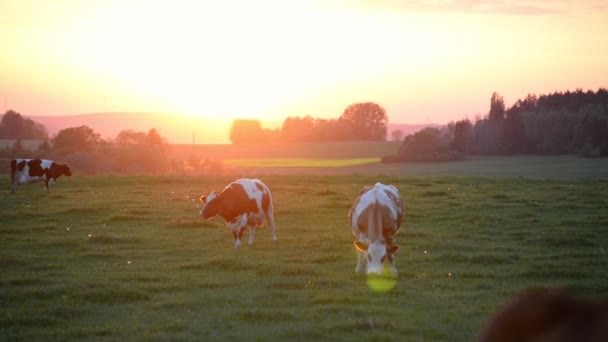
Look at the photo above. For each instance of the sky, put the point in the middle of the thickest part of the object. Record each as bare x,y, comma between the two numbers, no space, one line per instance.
422,60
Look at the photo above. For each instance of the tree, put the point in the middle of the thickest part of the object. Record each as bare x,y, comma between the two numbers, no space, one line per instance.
425,145
76,139
397,135
513,134
497,107
11,126
15,126
462,133
131,137
369,120
421,143
154,139
245,131
298,129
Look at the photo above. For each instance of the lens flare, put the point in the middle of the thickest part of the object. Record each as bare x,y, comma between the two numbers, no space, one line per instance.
382,282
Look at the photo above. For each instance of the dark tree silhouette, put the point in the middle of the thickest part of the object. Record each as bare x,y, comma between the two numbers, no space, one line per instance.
497,107
14,126
462,135
368,120
513,134
76,139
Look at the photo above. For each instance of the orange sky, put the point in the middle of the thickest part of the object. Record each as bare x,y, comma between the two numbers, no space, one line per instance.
422,60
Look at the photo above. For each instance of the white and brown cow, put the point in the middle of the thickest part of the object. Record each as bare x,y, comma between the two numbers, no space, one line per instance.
244,203
375,218
25,171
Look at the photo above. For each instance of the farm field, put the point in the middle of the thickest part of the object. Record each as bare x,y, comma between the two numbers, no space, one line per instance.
126,257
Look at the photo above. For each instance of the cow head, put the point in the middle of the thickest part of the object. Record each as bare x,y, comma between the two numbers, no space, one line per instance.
376,253
212,205
65,169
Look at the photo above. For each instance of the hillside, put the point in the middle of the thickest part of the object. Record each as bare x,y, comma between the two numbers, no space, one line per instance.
178,129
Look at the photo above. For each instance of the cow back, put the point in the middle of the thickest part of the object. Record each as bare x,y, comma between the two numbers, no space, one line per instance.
380,206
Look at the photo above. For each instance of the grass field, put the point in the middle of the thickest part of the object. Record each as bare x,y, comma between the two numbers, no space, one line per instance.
125,257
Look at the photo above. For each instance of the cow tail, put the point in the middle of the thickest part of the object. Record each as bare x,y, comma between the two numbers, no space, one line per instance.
13,171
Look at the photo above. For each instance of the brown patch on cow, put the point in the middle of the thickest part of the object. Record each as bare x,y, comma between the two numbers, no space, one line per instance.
548,315
21,165
265,201
259,186
235,202
35,168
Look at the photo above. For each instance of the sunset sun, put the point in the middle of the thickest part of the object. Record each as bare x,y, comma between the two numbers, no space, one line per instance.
424,61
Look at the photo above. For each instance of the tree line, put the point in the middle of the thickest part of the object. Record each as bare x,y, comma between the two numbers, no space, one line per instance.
559,123
365,121
84,149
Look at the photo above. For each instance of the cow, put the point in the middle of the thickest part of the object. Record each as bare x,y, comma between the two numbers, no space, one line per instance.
25,171
244,203
552,315
375,218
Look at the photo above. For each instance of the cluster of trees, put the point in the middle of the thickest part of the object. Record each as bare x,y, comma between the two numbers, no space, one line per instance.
365,121
15,126
558,123
86,151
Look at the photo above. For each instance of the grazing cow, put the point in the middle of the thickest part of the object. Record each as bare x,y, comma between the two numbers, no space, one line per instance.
375,217
244,203
550,315
25,171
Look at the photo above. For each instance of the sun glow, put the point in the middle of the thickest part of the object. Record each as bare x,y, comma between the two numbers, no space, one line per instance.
268,59
210,59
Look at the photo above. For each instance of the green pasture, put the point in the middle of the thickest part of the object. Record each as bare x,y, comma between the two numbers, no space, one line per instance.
127,258
300,162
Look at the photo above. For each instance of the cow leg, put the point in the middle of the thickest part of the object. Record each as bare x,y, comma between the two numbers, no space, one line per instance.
14,186
251,235
238,235
393,268
360,262
270,219
46,185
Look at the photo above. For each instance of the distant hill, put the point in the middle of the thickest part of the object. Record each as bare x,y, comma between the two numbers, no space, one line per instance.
178,129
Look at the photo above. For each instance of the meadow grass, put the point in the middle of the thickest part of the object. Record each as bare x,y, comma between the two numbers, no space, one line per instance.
126,257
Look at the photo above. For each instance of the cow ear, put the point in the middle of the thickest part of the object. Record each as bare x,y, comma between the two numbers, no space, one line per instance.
393,249
361,246
364,190
203,198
